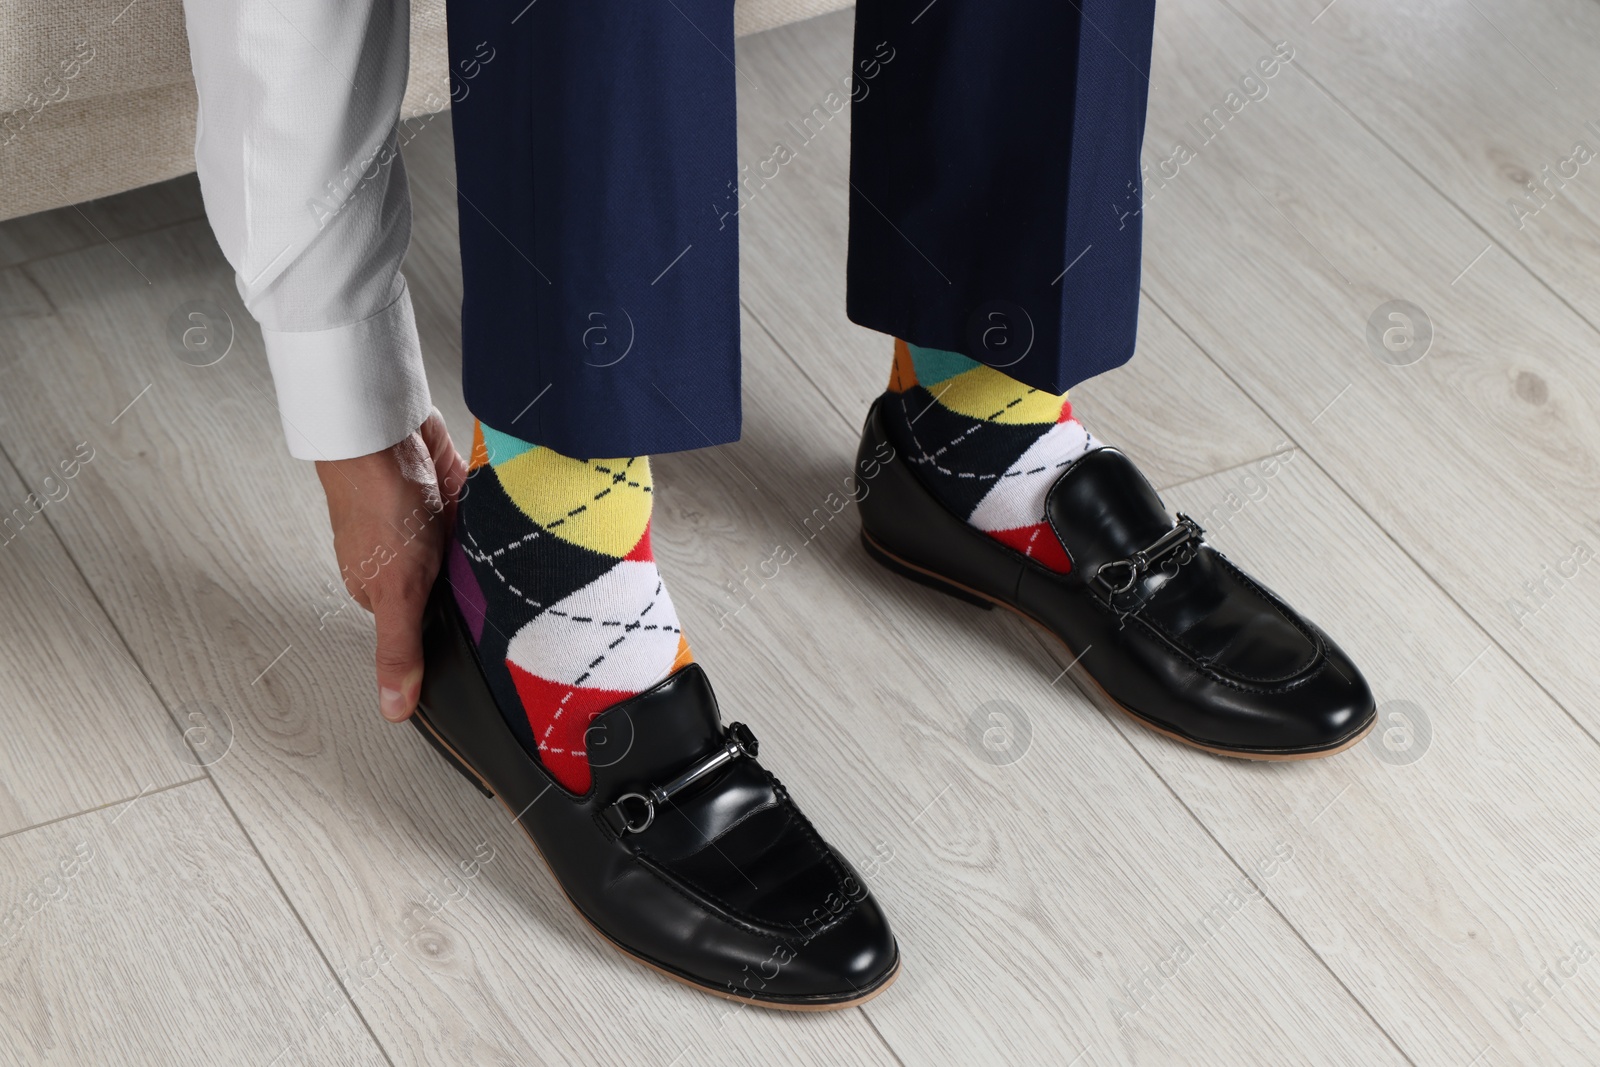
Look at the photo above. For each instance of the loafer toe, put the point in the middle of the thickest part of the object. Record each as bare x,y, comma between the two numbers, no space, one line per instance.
1341,707
854,956
686,853
1166,626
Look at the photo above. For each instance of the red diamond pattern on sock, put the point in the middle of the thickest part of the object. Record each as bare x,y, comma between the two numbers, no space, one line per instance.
640,552
1039,543
598,646
575,616
566,712
988,447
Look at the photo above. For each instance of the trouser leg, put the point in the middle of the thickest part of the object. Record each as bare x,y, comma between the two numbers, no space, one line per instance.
995,179
595,147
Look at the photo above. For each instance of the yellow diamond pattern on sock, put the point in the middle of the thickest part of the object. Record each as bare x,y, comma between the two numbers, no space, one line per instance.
985,393
600,504
979,392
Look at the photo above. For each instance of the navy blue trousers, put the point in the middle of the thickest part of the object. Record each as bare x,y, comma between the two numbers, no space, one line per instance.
994,201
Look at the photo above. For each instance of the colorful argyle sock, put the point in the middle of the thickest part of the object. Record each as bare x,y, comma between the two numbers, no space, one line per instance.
552,570
987,446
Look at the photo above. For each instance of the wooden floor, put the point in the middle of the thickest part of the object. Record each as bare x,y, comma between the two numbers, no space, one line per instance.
299,883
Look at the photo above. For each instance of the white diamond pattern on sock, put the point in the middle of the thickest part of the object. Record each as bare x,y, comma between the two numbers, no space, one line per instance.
618,633
1017,498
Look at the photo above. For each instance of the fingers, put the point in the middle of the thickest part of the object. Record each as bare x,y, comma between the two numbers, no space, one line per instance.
449,467
391,514
398,613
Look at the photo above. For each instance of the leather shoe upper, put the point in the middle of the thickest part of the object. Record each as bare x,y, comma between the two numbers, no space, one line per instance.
1164,623
727,885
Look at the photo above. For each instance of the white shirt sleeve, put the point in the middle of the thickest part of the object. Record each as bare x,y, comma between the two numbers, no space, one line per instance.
304,187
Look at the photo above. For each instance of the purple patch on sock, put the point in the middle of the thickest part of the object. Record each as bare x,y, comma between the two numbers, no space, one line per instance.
469,594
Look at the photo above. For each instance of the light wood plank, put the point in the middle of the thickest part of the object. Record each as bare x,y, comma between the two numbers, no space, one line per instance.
359,821
1478,99
149,933
209,547
79,726
786,431
1441,885
1024,918
1028,896
1275,245
1438,891
1169,408
111,218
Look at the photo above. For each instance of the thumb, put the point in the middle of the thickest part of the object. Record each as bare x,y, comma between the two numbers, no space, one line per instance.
399,655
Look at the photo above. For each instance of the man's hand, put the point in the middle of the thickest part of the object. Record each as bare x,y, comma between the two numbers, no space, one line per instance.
392,513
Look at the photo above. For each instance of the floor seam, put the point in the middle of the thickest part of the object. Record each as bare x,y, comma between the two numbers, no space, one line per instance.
101,807
155,693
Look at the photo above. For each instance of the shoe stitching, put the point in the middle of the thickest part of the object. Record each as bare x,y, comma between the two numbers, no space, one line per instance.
1201,666
724,913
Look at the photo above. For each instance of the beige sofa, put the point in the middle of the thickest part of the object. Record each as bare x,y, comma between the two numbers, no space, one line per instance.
96,95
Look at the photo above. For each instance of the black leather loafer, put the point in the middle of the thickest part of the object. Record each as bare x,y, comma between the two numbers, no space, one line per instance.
1171,631
685,853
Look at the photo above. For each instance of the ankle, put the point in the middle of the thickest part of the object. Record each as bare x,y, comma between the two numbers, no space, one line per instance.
986,446
559,578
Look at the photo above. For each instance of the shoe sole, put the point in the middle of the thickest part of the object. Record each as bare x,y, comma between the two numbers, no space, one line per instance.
923,576
456,760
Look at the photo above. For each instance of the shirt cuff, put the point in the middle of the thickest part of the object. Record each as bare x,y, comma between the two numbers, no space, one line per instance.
351,390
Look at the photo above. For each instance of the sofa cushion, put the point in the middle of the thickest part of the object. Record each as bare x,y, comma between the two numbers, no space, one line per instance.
96,96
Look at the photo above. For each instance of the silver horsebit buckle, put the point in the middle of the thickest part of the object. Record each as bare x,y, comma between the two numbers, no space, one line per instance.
634,812
1175,547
